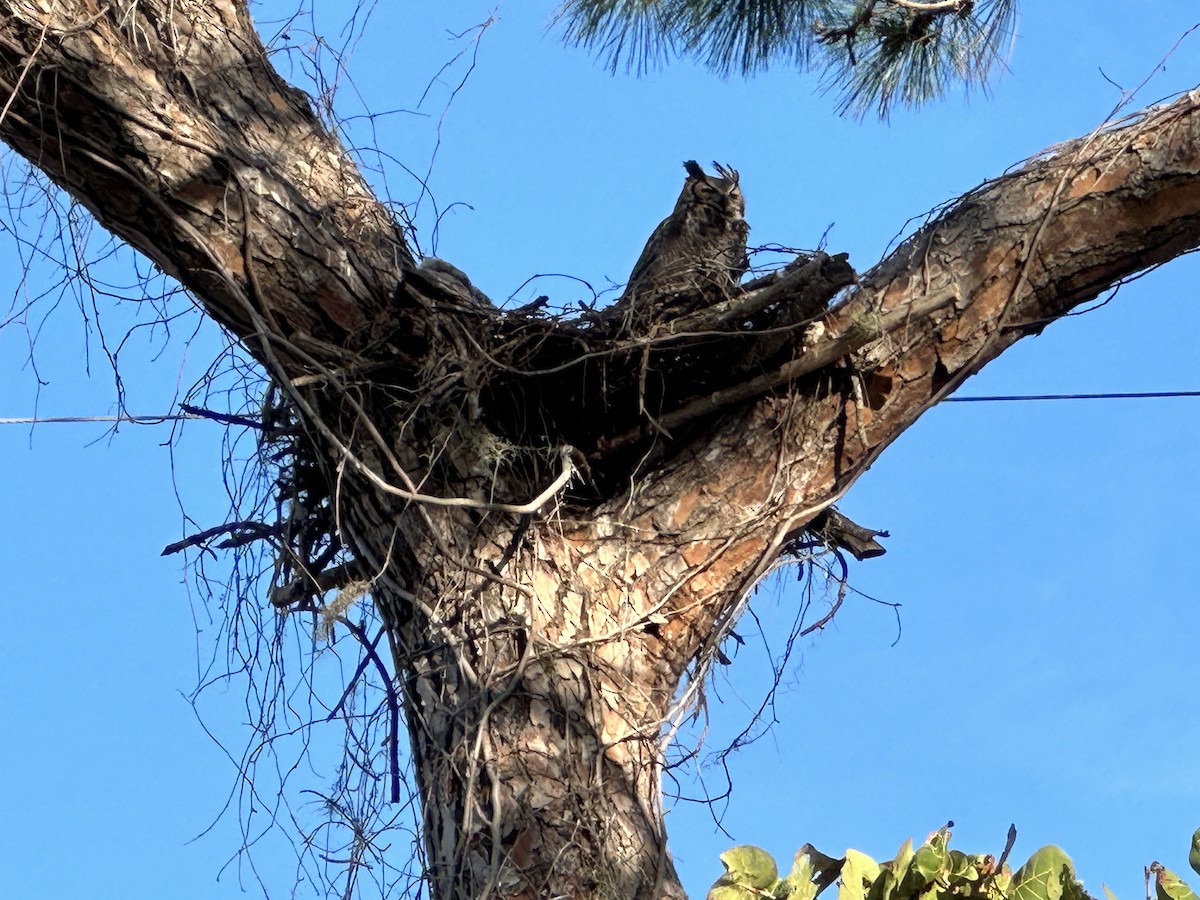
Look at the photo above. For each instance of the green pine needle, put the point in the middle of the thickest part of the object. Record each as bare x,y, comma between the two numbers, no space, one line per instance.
877,53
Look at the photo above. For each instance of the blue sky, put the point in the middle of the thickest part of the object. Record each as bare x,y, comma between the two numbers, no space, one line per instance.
1047,667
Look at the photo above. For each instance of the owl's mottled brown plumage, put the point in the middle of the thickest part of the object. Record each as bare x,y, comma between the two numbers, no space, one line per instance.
698,251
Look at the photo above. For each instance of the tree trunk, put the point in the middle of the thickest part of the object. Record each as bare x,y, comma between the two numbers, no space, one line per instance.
548,577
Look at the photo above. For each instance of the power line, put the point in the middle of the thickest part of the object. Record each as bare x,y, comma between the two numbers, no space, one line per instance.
236,420
186,411
71,420
1129,395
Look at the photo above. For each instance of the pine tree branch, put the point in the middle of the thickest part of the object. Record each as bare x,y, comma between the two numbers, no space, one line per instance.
1008,258
156,137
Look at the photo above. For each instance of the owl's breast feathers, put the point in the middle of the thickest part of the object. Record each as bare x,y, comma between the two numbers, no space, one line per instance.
699,248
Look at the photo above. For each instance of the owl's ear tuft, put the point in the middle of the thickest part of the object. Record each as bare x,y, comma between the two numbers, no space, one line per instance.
693,169
726,172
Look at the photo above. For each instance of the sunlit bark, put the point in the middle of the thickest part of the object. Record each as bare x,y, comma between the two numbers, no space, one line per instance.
539,643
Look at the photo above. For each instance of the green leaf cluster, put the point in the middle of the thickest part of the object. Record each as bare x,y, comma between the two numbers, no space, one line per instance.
878,53
1168,885
932,871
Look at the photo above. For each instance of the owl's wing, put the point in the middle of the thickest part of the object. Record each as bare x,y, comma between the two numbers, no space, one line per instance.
662,237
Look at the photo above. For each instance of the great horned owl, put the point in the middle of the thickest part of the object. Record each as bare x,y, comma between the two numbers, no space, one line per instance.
698,252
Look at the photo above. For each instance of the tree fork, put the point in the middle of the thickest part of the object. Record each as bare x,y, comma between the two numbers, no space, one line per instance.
539,651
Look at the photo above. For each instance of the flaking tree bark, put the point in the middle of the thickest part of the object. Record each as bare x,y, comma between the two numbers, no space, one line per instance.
557,521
